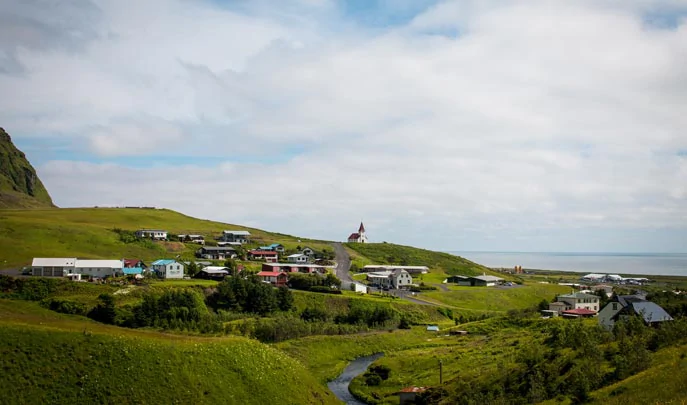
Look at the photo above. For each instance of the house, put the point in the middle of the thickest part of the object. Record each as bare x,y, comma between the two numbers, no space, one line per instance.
297,258
167,268
216,252
408,395
432,328
132,271
579,301
460,280
358,237
607,289
199,239
235,236
156,234
221,243
308,251
275,247
578,313
99,268
384,267
395,279
52,267
556,308
479,281
294,268
627,305
213,273
133,263
266,255
277,278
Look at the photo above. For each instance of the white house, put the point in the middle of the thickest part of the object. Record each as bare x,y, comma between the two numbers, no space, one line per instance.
308,251
156,234
297,258
627,305
99,268
167,268
579,301
236,236
358,237
390,279
358,287
52,267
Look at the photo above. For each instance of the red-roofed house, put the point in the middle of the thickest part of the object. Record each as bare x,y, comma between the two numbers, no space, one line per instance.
579,313
274,277
358,237
407,395
267,255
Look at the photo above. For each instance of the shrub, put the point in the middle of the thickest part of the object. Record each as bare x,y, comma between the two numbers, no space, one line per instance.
372,379
65,306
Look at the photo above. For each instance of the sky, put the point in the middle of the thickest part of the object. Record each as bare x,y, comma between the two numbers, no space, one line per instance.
485,125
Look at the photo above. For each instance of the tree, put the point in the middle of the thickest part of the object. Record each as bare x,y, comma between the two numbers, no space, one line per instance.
232,266
355,268
543,305
331,280
284,298
192,269
105,311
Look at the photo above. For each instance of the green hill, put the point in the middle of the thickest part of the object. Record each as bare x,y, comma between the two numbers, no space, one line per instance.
60,359
20,186
389,253
88,233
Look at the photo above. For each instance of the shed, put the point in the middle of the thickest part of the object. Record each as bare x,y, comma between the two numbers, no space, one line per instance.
432,328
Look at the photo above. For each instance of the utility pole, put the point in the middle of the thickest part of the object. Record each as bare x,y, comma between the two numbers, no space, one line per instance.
441,372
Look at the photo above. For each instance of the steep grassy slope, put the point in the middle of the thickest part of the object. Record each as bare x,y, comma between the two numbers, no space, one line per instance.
20,186
88,233
389,253
53,358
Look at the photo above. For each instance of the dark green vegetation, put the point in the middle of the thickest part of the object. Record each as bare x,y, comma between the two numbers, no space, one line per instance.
63,359
20,186
522,361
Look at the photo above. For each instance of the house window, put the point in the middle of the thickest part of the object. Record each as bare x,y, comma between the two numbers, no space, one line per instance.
615,306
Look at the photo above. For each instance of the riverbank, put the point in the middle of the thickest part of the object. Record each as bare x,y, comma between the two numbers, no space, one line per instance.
340,385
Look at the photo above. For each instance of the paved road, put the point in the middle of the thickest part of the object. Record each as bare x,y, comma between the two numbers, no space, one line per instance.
343,265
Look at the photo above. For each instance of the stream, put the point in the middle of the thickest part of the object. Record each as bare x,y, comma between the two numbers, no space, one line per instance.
340,386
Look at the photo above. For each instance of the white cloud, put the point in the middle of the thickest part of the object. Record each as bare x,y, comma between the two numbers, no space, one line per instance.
536,116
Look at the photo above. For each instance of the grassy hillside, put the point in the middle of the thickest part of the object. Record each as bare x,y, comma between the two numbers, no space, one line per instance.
88,233
20,186
389,253
53,358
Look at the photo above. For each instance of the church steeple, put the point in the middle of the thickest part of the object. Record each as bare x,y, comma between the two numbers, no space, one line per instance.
362,228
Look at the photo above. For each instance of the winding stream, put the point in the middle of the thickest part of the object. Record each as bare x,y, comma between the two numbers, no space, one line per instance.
340,386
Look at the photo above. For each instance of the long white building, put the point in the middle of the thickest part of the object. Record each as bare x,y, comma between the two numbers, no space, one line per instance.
61,267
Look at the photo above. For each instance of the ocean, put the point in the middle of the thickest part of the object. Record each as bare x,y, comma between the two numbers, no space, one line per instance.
668,264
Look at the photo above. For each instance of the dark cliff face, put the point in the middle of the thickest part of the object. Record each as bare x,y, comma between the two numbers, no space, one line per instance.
20,186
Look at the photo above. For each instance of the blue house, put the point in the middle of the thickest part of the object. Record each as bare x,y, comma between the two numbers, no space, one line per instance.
275,247
167,268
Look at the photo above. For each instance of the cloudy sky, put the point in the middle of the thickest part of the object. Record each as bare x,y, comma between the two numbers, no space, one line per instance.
454,125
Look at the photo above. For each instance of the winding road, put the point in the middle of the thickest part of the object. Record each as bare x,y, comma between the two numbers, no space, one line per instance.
343,265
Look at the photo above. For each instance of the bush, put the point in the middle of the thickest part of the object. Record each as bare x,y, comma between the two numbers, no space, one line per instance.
372,379
324,289
65,306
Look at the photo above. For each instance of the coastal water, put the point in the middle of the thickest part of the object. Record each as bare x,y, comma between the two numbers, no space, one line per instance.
673,264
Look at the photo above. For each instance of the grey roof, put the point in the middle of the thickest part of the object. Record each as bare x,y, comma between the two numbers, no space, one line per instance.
650,311
625,300
217,249
578,295
488,278
240,233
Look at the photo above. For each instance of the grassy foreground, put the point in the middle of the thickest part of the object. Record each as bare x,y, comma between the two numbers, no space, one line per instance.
54,358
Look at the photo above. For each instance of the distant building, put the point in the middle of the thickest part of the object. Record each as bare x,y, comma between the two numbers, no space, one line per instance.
156,234
476,281
579,301
167,268
216,252
358,237
52,267
297,258
266,255
99,268
408,395
629,305
213,273
386,267
235,236
276,278
275,247
395,279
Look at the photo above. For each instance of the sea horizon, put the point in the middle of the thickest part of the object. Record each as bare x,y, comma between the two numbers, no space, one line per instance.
648,263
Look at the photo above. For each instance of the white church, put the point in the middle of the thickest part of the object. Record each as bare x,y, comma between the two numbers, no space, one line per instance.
358,237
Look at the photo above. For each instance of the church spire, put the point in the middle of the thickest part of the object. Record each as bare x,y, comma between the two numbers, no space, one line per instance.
362,228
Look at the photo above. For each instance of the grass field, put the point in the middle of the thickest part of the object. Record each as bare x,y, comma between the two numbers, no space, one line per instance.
53,358
495,298
87,233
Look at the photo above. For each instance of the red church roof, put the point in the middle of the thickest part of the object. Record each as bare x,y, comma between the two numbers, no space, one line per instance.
362,228
354,236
